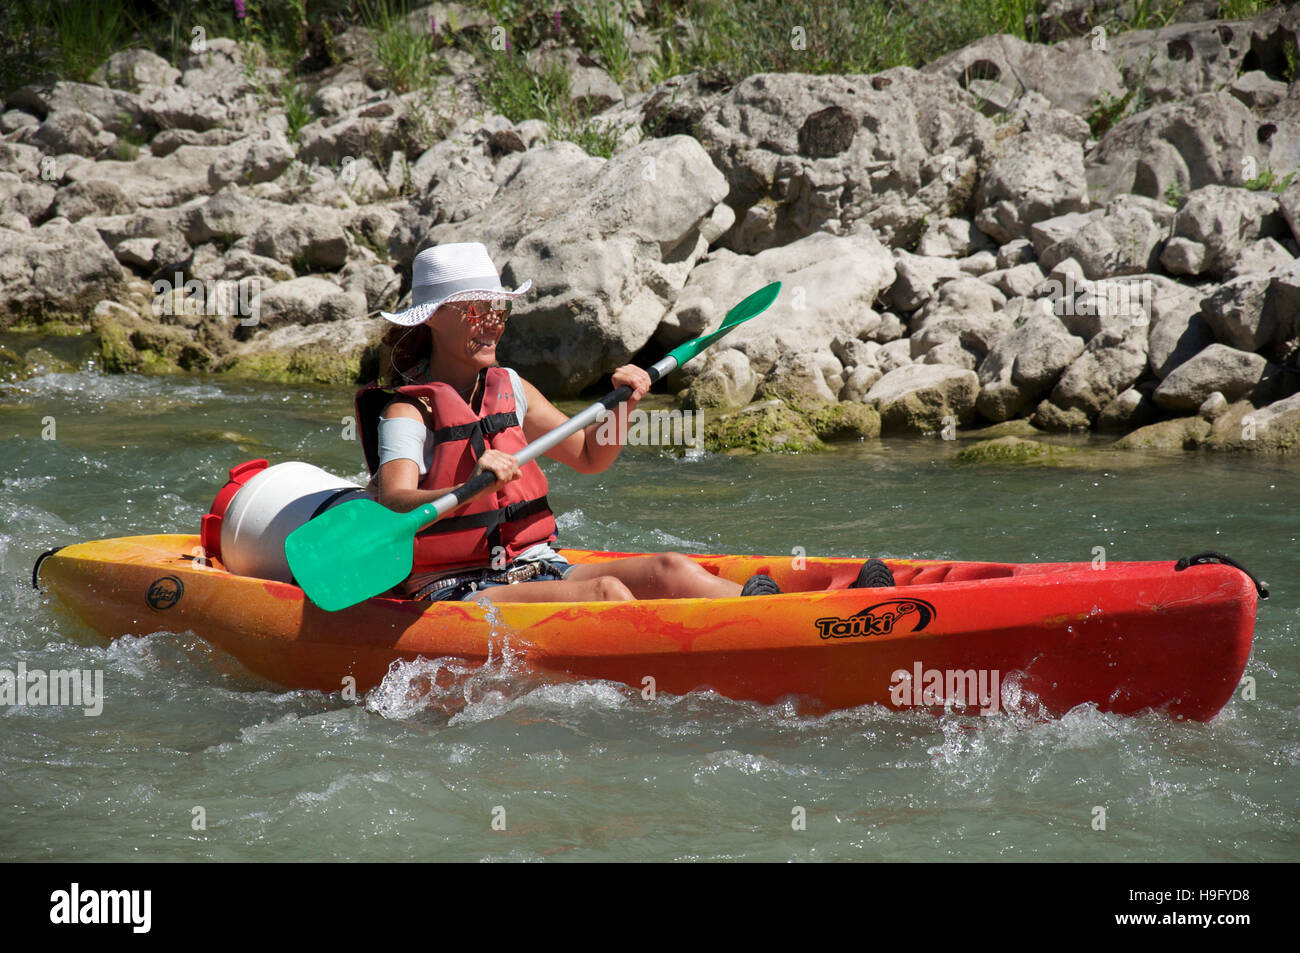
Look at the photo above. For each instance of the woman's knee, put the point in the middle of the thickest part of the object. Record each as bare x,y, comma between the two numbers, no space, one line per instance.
610,589
676,567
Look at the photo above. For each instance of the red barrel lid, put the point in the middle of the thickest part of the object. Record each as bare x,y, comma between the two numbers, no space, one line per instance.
210,525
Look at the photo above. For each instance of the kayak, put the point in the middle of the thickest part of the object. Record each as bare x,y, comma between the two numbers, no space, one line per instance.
1125,637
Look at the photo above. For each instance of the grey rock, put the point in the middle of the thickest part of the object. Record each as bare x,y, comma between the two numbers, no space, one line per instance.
304,235
1018,251
57,270
29,198
1257,90
1219,222
1023,365
978,264
308,300
1240,315
890,328
894,355
1126,239
916,145
1048,416
132,69
1071,78
15,120
1128,411
1179,61
251,160
1178,330
115,110
1052,231
1112,362
1037,176
728,382
1266,256
951,354
918,279
954,238
1213,407
859,382
1018,280
828,286
918,398
1183,145
802,377
76,132
1232,372
95,197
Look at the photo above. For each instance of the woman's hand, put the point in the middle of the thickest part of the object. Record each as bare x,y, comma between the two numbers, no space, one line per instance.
634,377
501,465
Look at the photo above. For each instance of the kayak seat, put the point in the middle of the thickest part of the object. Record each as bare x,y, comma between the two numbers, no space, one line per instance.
959,572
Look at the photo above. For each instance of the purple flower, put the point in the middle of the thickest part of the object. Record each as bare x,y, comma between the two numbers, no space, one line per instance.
555,19
239,10
433,26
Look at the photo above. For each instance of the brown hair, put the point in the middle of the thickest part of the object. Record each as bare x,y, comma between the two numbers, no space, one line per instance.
401,350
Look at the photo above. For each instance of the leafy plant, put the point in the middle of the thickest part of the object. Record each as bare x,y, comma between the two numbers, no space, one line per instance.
1268,180
1107,110
1173,194
297,108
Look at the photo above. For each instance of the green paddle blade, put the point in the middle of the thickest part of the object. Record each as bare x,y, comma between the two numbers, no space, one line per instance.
751,307
352,552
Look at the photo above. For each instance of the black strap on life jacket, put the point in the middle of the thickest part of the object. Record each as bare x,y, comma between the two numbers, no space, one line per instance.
490,520
475,431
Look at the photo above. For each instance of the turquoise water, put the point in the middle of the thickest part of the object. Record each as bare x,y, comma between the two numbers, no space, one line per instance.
590,770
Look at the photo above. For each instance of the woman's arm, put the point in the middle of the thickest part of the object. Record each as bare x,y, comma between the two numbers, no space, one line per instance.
583,450
399,480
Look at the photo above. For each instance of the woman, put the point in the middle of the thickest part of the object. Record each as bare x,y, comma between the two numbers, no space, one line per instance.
457,414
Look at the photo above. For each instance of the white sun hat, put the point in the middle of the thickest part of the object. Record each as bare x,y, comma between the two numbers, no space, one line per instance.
447,273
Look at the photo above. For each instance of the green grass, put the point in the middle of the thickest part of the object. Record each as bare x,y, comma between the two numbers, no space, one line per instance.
297,108
518,91
406,53
604,31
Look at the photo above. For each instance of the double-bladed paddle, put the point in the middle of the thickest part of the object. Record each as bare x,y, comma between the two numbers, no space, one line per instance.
361,548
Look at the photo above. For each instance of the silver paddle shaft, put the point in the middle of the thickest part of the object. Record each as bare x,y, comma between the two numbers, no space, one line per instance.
449,501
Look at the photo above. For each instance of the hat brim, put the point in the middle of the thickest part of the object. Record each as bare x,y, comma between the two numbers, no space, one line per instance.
421,312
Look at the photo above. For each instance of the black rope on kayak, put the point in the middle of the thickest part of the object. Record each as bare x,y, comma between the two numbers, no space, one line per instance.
1210,556
36,570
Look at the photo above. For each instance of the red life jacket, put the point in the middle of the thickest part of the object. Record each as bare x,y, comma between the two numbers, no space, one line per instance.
514,518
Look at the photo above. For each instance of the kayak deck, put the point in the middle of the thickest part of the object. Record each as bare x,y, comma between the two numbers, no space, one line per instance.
1129,637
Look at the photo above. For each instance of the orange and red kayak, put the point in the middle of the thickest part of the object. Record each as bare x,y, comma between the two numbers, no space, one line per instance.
1127,637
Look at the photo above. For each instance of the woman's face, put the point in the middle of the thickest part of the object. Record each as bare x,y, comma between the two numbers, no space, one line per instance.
469,330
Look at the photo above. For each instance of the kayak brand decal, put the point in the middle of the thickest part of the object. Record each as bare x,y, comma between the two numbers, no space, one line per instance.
165,592
880,619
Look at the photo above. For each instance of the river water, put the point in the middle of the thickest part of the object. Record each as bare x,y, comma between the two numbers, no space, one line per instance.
590,770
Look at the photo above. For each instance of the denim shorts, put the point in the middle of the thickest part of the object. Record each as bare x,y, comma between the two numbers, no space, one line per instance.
553,570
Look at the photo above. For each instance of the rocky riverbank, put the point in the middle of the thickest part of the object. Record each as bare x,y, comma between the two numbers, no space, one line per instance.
1097,234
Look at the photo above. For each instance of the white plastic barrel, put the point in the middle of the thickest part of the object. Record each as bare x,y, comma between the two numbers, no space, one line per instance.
268,508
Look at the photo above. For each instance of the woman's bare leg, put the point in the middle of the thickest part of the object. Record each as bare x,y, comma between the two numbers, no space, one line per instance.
662,576
594,589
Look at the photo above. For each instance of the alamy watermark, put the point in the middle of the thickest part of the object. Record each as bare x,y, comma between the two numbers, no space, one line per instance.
654,428
216,298
77,688
1112,297
931,687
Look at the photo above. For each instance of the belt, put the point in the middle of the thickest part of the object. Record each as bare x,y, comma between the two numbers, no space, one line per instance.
508,577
